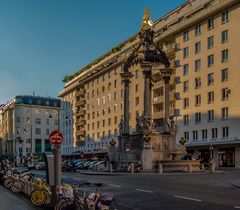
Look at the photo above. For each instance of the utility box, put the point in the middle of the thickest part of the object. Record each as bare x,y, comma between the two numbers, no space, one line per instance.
49,160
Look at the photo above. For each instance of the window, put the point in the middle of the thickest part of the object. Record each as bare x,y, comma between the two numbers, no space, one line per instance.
224,36
210,79
37,121
103,112
185,69
197,117
186,136
136,101
197,47
224,113
137,74
56,122
115,83
198,29
210,42
197,65
224,132
115,95
122,93
185,120
185,103
197,100
109,85
103,100
224,75
210,23
18,119
136,88
210,60
109,121
224,55
204,134
214,133
225,92
195,135
103,123
38,131
115,120
47,131
197,82
98,124
93,125
115,107
210,97
225,17
47,121
185,86
185,52
185,36
98,102
109,110
210,115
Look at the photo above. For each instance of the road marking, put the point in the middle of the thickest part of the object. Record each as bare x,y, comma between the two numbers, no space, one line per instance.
147,191
237,207
187,198
113,185
77,179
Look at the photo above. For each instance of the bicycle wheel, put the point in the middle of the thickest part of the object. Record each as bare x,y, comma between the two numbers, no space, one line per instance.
17,186
66,205
38,197
113,205
7,182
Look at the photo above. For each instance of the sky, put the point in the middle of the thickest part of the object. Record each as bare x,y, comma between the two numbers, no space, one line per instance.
41,41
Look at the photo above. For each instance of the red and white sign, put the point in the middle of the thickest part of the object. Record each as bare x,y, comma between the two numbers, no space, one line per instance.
127,147
55,137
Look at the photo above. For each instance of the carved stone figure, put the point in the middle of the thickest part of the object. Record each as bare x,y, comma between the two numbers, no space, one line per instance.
138,121
120,127
146,122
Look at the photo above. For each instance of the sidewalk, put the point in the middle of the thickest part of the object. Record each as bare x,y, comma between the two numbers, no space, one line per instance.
10,201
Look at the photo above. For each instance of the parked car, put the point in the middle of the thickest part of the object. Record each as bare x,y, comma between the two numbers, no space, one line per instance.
40,166
100,165
69,165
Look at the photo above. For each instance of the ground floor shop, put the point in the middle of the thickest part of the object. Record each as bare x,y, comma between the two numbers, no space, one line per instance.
223,155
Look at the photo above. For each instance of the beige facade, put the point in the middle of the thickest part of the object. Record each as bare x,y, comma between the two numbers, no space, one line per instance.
201,36
26,124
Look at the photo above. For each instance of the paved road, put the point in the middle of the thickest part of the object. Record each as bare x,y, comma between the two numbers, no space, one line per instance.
169,191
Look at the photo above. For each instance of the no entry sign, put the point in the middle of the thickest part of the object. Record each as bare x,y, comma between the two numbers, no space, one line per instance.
55,137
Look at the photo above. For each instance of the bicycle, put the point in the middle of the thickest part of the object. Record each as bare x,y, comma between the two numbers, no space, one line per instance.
18,181
80,201
41,194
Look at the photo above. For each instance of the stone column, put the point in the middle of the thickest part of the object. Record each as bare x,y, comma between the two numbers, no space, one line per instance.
147,92
126,76
166,74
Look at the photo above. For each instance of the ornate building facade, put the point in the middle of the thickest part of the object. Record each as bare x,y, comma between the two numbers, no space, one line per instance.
201,36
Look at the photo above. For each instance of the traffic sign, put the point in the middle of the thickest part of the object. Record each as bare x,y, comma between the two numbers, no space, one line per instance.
55,137
127,147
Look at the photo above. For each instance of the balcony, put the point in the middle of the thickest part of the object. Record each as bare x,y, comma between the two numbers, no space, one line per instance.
158,115
81,112
157,99
81,92
81,133
81,102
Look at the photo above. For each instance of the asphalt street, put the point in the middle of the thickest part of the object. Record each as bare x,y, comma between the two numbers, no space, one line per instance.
167,191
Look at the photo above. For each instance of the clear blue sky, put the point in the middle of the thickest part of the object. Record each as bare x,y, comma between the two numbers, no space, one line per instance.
43,40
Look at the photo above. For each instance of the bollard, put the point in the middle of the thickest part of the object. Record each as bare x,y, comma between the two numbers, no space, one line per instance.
202,166
132,167
212,167
190,168
110,167
160,168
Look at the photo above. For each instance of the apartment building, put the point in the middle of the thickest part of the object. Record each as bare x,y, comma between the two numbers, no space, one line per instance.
201,36
208,83
26,124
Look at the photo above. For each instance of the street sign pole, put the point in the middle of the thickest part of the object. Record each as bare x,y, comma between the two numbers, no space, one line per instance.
56,139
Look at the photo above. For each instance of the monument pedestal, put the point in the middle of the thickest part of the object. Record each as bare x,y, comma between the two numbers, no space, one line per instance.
147,158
